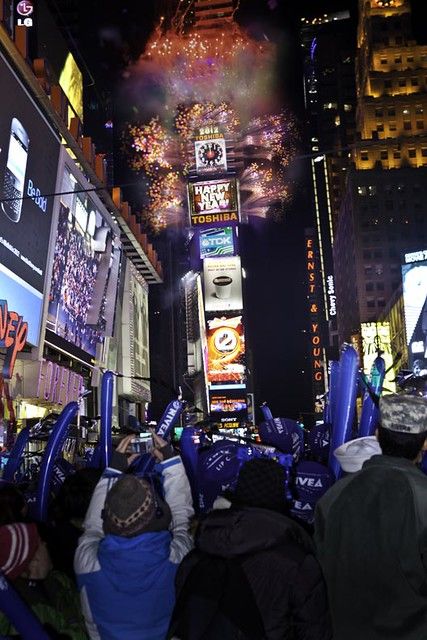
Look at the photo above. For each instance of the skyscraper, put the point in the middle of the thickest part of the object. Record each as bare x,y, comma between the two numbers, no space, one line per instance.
383,212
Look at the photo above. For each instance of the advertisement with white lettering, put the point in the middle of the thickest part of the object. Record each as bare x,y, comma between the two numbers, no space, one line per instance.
376,340
213,202
29,152
85,268
414,277
226,351
216,243
222,284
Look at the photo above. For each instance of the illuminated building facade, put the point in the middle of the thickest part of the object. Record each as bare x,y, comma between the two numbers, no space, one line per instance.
330,107
211,15
383,213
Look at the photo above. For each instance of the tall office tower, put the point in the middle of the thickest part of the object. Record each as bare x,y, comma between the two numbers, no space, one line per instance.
384,210
330,108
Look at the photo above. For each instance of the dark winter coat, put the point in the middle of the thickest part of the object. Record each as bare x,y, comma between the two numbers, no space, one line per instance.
371,538
277,559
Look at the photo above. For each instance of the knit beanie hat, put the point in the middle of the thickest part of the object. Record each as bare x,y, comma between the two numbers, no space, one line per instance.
132,507
18,544
351,455
261,483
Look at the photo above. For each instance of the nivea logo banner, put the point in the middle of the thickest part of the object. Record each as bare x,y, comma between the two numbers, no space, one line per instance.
312,480
284,434
169,418
318,440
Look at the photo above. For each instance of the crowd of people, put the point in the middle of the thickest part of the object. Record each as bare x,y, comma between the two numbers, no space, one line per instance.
75,268
124,557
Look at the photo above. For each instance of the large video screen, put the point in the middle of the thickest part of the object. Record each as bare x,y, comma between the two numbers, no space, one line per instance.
226,352
213,202
414,277
85,268
222,278
29,153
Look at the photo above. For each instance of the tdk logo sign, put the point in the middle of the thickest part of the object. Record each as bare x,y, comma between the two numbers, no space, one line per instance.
36,196
216,242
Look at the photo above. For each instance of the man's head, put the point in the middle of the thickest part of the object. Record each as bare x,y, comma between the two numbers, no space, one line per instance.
132,507
261,483
22,552
402,431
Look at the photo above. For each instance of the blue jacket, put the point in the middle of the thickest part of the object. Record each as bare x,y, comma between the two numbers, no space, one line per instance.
127,584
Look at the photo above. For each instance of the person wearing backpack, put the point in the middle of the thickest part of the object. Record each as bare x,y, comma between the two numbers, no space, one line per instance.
253,574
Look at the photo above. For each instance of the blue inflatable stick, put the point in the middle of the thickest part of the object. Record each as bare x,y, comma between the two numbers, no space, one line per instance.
19,614
105,436
15,456
345,409
170,417
370,411
54,446
266,412
333,392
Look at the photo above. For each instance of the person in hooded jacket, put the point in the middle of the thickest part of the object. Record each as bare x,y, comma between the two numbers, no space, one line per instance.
133,541
253,573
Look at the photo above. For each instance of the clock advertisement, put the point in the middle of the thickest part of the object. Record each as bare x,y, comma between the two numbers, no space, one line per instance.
211,156
222,280
213,202
226,352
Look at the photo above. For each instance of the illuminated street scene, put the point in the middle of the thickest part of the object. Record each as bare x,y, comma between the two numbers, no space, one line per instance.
213,319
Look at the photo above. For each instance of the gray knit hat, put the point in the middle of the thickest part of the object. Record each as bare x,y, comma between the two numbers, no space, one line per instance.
132,507
403,413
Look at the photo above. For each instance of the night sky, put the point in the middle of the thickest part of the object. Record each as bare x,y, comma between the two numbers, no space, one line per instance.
275,289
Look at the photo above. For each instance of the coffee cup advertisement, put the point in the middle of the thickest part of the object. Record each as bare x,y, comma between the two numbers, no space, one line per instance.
222,284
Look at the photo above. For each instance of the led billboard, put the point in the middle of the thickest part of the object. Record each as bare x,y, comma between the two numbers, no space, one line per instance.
211,156
228,407
222,284
215,243
376,338
29,153
213,202
414,278
226,352
85,267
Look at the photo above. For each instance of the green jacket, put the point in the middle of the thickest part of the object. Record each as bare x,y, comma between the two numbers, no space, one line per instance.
371,539
55,602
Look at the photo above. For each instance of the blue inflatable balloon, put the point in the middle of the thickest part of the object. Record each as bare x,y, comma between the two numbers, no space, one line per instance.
19,614
318,441
169,418
217,470
266,412
333,391
55,443
311,481
105,436
15,457
344,413
283,434
370,411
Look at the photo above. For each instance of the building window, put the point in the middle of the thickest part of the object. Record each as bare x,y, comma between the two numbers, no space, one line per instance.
369,286
329,105
361,190
378,254
420,124
398,59
424,152
398,39
384,154
380,126
396,154
380,286
387,84
407,125
369,271
348,107
419,109
402,82
391,111
412,153
392,126
379,269
381,302
410,58
367,255
378,113
372,190
370,303
364,156
414,82
383,60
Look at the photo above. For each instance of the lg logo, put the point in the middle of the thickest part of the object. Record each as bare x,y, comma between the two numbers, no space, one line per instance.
25,8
